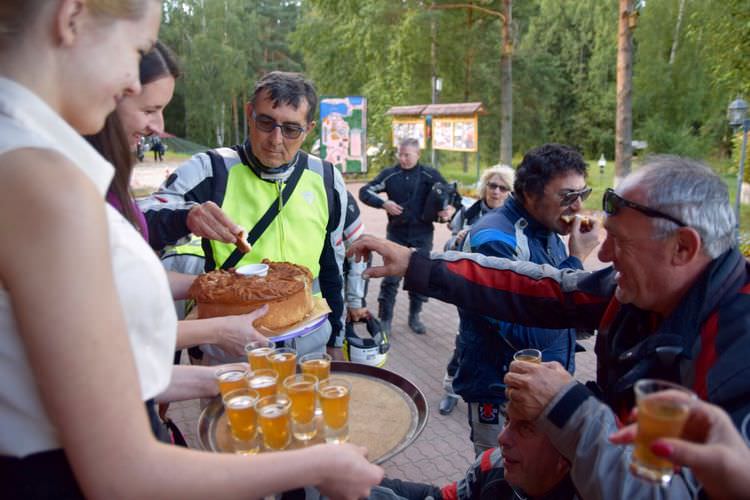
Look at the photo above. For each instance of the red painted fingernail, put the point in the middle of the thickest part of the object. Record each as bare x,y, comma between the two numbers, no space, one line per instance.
661,449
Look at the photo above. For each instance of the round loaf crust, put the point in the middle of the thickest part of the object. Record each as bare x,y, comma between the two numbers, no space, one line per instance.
287,289
281,313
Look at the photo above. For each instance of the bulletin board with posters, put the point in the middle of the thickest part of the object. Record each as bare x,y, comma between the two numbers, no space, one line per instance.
343,125
413,127
455,133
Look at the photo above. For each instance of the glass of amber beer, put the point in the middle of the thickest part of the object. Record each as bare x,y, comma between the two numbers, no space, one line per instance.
257,353
229,377
316,363
265,381
528,355
274,419
301,391
663,408
240,407
284,361
334,395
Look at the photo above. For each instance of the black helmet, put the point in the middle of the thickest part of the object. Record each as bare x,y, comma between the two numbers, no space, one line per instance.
369,351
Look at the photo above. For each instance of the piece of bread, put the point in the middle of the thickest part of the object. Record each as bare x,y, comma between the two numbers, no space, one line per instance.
568,218
242,243
286,289
587,224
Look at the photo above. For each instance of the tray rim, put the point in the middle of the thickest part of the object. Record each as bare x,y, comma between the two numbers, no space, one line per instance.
210,412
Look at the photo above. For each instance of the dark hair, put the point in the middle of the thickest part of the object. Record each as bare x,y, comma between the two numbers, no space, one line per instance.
288,88
158,63
111,141
542,164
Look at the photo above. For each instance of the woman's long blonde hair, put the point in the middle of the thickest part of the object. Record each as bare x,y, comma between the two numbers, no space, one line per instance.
17,15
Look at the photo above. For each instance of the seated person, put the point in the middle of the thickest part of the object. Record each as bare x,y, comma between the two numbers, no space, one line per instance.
524,465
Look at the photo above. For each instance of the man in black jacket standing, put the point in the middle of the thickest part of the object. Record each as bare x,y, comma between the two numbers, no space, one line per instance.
407,185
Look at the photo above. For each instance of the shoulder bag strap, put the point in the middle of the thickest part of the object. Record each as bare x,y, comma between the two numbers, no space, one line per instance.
269,216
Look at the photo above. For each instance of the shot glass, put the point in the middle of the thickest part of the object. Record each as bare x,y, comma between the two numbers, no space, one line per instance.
243,421
334,395
300,389
528,355
316,363
230,377
663,408
284,361
257,352
274,419
264,381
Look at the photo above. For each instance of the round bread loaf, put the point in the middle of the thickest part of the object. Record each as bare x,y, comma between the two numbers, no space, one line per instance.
287,289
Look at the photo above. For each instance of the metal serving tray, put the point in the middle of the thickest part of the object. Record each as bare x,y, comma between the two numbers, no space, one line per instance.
387,413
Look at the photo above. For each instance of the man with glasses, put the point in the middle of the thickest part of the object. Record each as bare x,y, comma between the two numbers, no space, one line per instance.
291,204
407,185
549,187
674,304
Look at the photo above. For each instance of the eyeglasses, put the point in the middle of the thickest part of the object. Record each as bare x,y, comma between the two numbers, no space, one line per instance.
567,199
502,187
612,203
267,124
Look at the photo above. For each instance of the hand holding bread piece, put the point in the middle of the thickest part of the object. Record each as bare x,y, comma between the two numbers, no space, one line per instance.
584,236
242,243
208,220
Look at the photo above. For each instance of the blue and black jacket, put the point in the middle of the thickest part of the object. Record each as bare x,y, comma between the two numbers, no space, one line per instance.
486,345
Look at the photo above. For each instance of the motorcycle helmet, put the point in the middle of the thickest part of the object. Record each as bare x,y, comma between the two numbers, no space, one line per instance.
368,351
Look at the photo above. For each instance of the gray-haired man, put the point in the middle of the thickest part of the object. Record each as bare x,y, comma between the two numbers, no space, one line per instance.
675,304
407,185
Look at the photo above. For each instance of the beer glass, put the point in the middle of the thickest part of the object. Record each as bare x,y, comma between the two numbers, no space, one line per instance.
284,361
240,407
316,363
528,355
663,408
273,416
334,395
257,352
230,377
301,391
265,381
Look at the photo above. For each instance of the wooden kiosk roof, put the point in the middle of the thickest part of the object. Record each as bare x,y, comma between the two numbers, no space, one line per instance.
458,109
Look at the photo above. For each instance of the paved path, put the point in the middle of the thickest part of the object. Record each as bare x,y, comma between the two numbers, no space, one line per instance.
443,451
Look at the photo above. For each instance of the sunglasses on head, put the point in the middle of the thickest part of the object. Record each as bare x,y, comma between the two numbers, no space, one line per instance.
267,124
502,187
567,199
612,203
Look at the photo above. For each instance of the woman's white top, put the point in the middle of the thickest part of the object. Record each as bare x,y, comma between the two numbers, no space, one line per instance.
28,122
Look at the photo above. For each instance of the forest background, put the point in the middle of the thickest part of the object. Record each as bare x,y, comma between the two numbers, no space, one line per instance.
691,58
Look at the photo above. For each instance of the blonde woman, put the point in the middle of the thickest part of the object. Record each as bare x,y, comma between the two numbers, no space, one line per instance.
86,326
495,185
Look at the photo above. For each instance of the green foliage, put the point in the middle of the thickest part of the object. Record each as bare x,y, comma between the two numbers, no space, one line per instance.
564,65
225,46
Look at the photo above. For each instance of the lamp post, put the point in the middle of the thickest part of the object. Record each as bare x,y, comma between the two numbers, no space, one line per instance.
737,117
437,87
